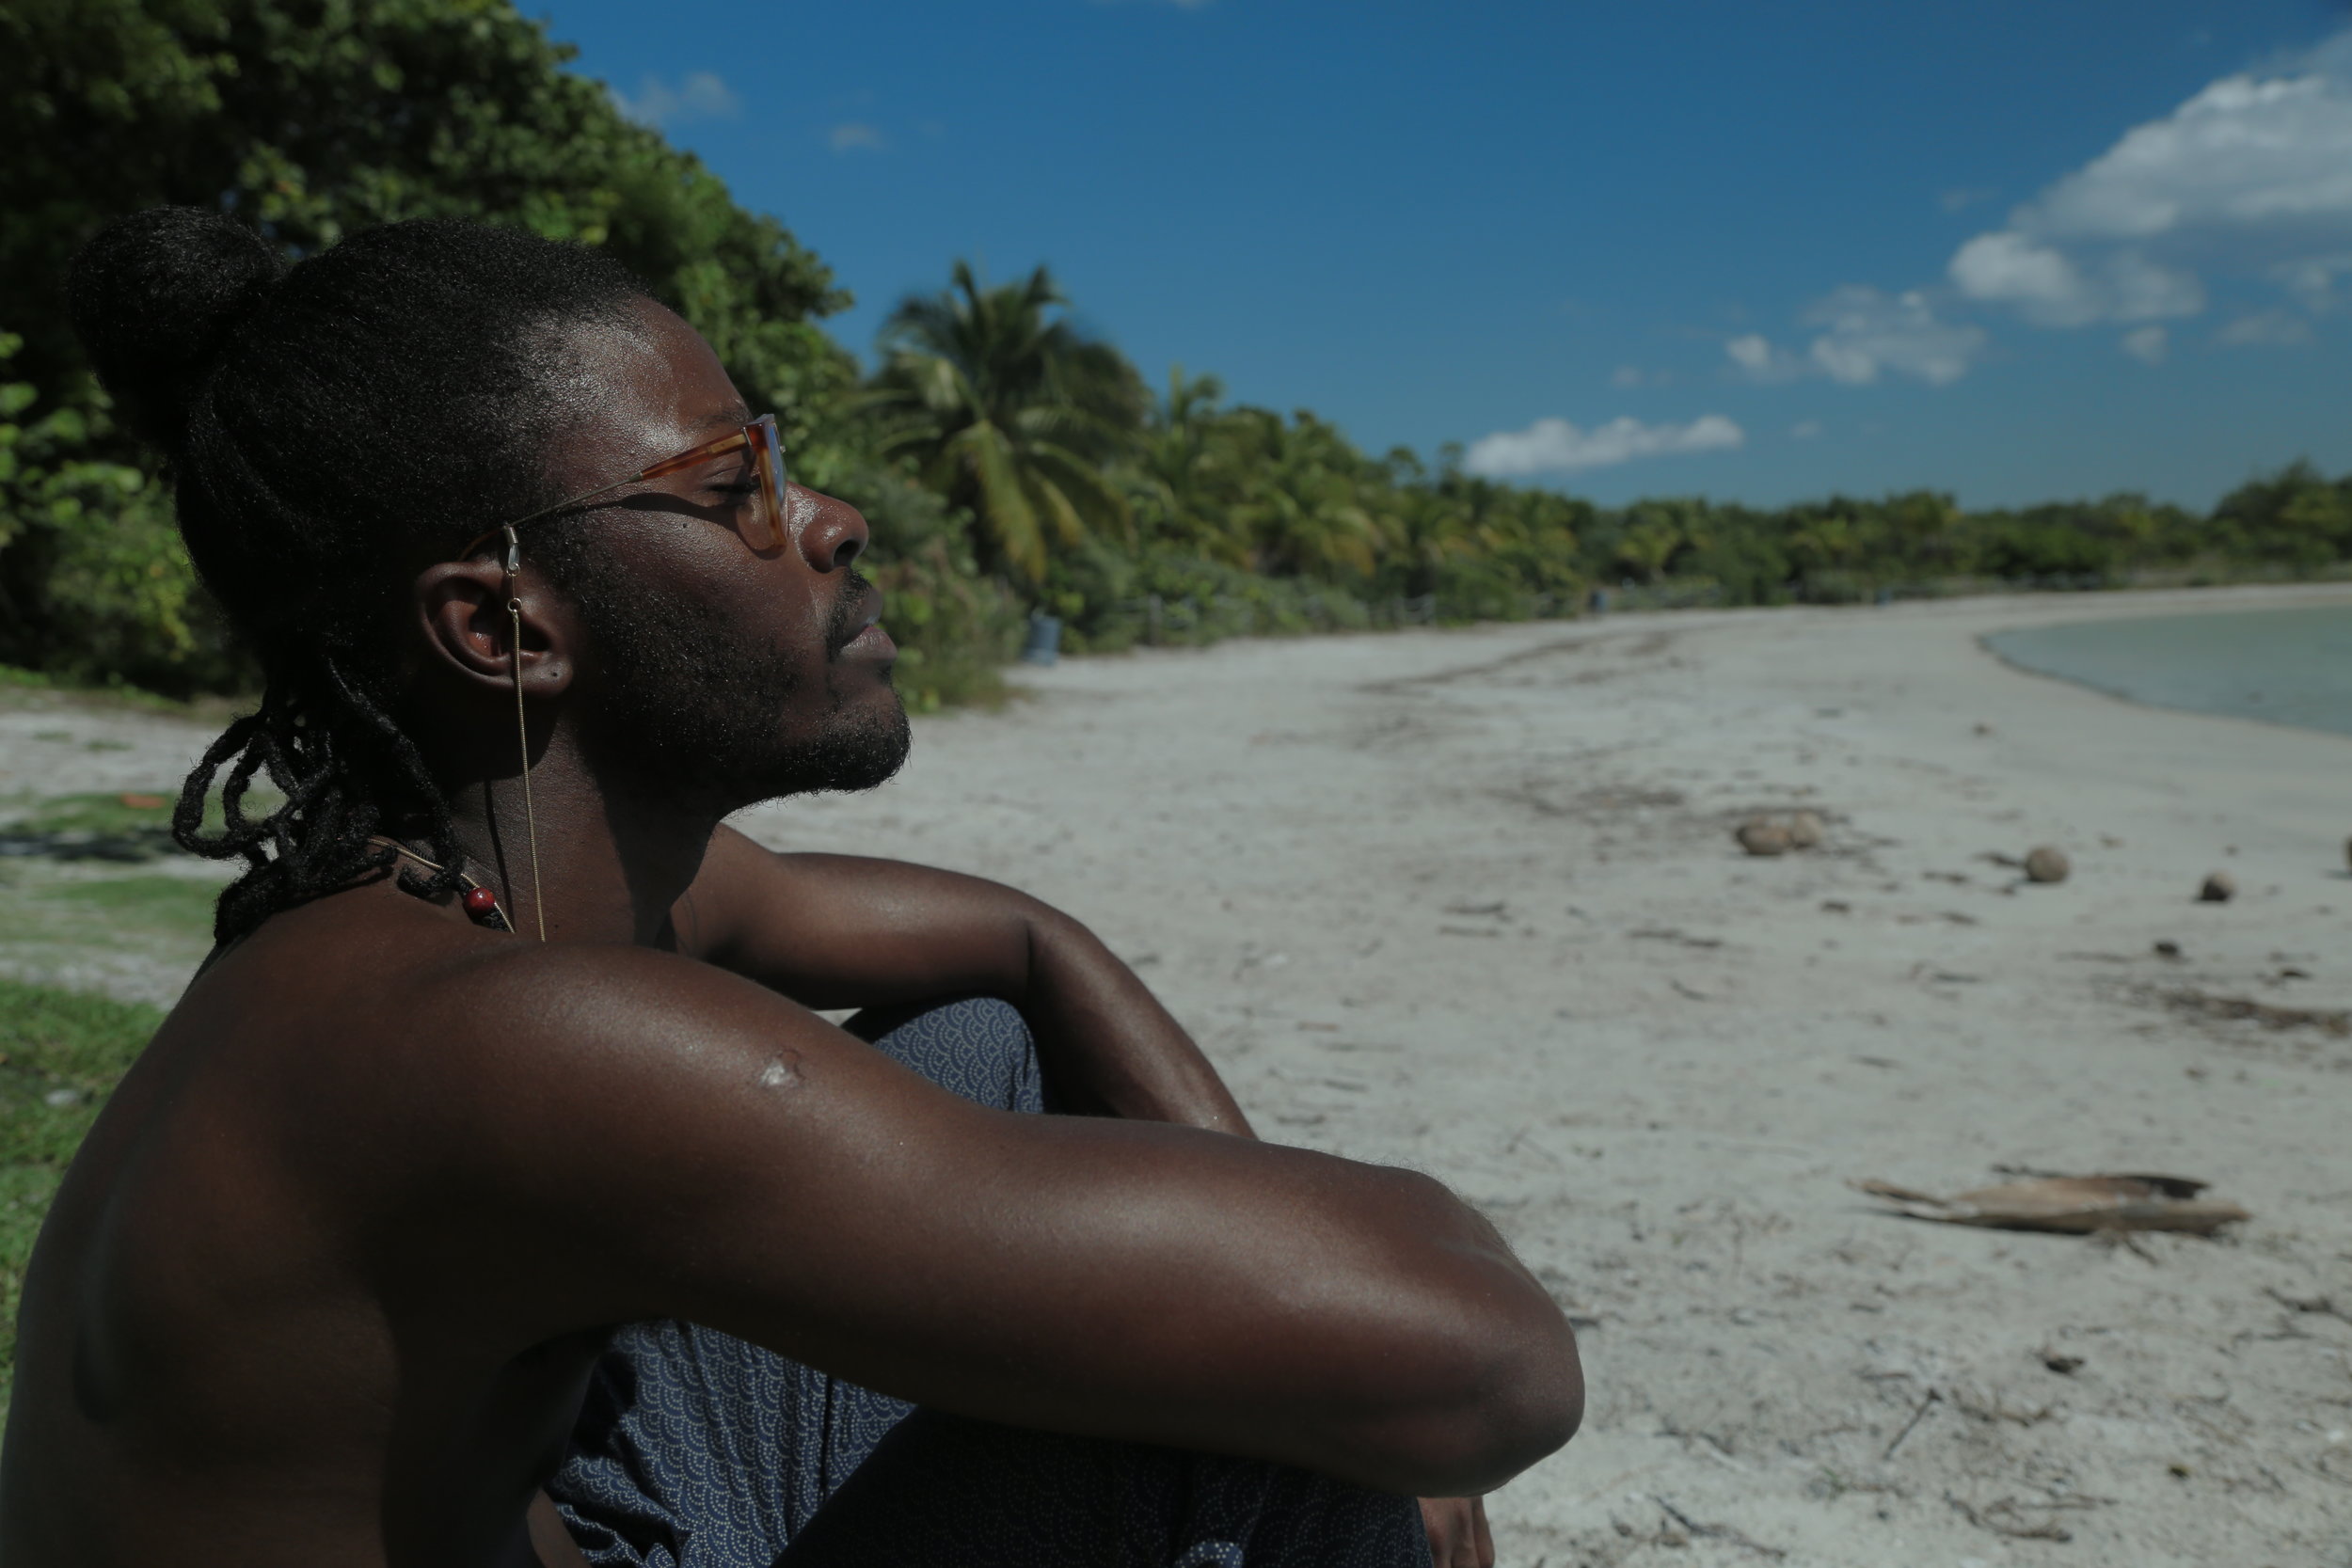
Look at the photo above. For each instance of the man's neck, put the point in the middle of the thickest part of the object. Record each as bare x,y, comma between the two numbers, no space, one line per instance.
610,864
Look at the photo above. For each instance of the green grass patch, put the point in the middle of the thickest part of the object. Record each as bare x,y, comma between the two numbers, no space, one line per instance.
167,906
61,1053
102,827
102,812
51,914
134,825
22,688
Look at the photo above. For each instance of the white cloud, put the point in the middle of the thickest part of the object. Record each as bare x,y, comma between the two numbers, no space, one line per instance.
855,136
2148,344
1866,332
1751,353
2050,289
1555,446
2311,280
2010,269
2251,177
703,95
2242,153
2265,329
1758,359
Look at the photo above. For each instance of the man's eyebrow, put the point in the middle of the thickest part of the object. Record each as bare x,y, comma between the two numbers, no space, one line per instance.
734,413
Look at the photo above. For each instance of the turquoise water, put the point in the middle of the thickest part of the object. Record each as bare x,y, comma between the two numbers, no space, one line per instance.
2287,666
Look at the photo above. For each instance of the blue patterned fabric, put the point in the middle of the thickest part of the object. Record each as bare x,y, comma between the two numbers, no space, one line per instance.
696,1450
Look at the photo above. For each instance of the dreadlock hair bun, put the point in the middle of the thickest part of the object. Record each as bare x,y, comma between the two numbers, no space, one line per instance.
154,298
327,428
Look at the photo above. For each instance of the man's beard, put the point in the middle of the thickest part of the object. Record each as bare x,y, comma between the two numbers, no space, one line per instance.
691,708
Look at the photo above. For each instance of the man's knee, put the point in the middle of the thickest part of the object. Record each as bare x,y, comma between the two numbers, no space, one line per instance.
978,1046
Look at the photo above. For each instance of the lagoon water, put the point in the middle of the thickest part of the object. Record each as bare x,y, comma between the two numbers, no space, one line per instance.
2286,666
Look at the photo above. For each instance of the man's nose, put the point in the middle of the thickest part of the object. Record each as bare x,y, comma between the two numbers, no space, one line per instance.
836,536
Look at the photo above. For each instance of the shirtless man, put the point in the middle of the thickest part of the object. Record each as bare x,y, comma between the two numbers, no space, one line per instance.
492,1060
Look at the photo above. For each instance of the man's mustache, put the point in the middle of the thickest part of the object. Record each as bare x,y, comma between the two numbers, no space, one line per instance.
848,612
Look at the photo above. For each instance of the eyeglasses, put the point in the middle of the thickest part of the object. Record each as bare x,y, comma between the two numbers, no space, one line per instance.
765,528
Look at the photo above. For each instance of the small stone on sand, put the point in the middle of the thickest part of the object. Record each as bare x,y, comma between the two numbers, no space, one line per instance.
1762,836
2046,864
1804,830
2219,889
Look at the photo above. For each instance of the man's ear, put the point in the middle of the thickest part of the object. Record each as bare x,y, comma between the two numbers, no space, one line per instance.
463,606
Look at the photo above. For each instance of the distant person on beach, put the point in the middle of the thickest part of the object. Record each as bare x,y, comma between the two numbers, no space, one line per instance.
495,1156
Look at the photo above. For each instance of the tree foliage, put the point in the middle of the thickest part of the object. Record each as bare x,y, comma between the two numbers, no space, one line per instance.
312,118
1010,412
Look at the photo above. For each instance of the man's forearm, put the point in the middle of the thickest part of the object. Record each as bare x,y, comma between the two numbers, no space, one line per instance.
1108,1046
842,931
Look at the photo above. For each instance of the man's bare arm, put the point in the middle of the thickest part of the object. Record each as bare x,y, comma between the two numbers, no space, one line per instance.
671,1141
845,932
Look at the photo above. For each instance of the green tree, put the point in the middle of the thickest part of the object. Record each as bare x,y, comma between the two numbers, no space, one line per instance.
312,118
2294,517
93,582
1185,473
1428,531
1010,412
1304,502
1823,538
1656,533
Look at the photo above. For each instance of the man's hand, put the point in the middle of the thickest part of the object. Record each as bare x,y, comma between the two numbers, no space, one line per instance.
841,931
1457,1532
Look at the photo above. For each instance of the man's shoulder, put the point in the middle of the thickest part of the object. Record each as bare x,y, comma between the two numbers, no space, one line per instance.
370,1015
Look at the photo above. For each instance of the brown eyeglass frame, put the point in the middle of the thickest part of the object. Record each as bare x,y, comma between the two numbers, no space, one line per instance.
766,532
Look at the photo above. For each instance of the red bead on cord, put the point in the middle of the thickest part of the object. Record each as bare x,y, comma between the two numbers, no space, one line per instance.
480,902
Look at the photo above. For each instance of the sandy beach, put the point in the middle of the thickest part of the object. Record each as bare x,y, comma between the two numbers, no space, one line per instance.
1469,901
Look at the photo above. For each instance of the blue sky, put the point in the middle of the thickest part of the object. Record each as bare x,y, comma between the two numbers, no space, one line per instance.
2016,250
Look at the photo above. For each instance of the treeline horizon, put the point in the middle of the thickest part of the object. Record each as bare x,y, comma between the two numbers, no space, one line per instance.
1007,461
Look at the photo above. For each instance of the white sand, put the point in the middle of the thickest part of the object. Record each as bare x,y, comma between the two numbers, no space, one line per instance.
1469,901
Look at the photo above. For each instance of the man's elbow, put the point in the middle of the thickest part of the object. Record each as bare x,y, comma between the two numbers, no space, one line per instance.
1531,1402
1513,1395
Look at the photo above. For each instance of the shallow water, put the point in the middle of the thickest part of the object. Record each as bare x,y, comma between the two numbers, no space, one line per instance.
2286,666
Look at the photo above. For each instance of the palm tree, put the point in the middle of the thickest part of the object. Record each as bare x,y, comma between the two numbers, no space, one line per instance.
1010,412
1655,533
1428,528
1187,475
1306,503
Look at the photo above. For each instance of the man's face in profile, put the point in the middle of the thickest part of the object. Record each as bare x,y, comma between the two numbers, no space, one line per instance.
714,672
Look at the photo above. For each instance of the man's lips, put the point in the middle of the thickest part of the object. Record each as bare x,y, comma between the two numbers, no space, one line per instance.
872,643
869,641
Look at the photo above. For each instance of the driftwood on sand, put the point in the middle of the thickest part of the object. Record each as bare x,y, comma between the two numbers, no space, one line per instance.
2076,1204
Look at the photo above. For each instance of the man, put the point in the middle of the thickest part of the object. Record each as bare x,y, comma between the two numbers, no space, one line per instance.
507,1041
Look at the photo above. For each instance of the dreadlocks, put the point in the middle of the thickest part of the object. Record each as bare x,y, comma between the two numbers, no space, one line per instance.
326,427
